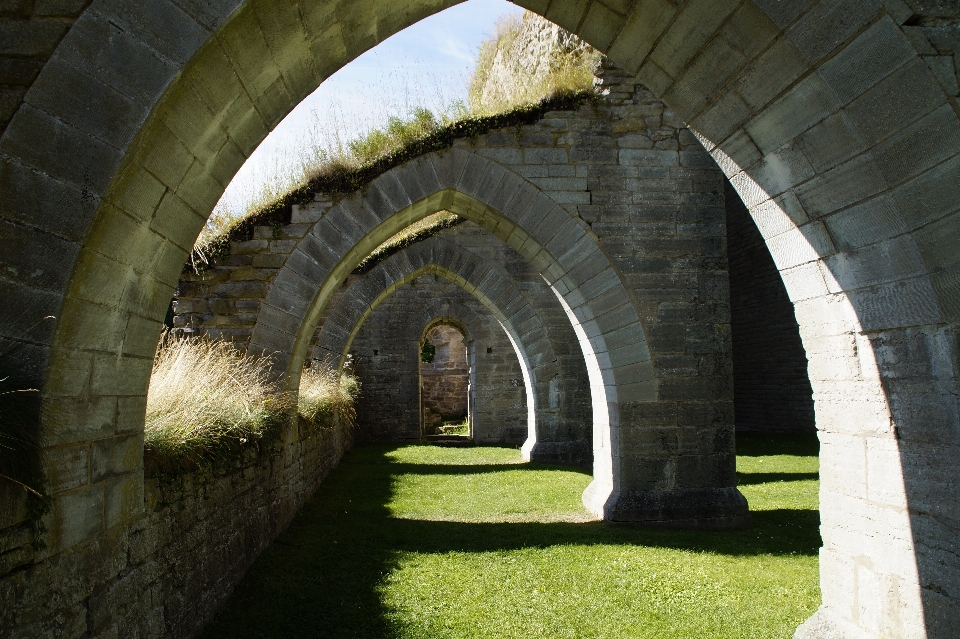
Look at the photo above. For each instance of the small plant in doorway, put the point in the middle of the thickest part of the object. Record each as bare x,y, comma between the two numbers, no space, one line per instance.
427,352
460,427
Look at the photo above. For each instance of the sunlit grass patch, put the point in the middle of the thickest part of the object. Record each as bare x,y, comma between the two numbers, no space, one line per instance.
417,542
597,590
460,488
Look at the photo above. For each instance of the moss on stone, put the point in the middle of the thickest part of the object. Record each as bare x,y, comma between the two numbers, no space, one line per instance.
338,181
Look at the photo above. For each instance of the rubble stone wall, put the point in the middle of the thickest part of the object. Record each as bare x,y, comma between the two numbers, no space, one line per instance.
169,570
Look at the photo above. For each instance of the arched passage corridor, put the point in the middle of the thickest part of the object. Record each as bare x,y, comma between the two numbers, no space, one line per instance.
611,335
832,126
557,429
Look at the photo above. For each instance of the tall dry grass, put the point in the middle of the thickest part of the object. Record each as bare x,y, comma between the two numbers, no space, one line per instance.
324,392
207,399
206,396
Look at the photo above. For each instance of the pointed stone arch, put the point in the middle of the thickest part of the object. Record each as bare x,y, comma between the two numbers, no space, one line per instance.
567,255
497,292
107,187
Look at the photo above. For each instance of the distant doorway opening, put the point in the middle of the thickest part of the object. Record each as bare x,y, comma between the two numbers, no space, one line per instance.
445,384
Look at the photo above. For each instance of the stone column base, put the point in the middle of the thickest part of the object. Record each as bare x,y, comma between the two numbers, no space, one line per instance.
692,508
560,453
824,625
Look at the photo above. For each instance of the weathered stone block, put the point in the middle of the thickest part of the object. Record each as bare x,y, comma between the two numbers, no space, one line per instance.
116,456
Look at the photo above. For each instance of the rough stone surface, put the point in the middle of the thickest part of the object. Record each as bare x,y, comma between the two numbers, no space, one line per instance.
387,355
852,185
166,573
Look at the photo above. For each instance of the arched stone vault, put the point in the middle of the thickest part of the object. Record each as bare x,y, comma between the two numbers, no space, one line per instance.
439,271
390,407
571,261
497,292
838,136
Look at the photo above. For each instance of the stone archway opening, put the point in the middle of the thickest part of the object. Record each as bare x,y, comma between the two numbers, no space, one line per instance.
861,228
447,387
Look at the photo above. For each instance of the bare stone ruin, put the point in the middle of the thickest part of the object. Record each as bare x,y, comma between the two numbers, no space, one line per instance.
835,121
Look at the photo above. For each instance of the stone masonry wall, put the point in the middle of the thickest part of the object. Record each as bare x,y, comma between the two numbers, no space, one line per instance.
222,300
532,314
30,31
386,351
771,388
166,574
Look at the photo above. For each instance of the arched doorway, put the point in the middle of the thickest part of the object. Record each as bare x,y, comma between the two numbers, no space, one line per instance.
446,382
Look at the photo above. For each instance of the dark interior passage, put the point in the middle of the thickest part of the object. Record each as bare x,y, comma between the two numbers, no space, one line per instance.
770,384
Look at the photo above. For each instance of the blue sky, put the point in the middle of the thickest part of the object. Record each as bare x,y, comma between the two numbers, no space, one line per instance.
427,64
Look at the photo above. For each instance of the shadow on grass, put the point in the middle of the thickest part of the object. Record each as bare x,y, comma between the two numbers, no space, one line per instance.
324,576
761,444
746,479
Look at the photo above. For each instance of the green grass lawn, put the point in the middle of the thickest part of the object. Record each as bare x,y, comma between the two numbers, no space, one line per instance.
426,542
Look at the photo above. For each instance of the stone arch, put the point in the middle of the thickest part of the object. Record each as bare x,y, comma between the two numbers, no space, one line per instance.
402,374
370,303
479,330
496,291
559,246
857,203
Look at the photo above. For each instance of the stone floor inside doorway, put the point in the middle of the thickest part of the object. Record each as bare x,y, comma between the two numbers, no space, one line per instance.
426,542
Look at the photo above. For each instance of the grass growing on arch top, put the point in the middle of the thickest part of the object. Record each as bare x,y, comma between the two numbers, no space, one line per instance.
424,542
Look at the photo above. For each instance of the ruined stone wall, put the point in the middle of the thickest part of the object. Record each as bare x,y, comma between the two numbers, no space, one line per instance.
222,299
387,355
166,573
771,388
842,113
517,72
629,168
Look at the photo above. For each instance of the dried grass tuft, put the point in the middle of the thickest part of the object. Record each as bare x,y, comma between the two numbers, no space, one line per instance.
324,391
208,402
205,397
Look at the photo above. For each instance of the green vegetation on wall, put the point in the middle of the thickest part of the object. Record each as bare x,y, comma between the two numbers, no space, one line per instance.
337,179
